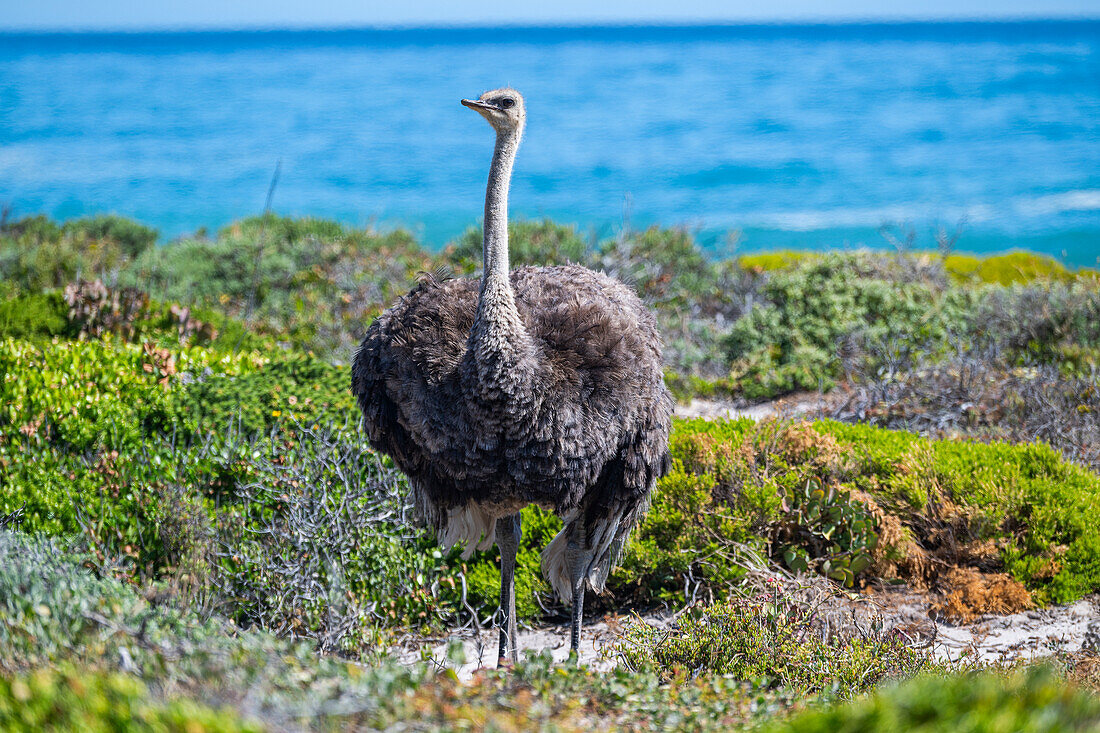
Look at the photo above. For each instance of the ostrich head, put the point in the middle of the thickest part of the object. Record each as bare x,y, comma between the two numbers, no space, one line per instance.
503,108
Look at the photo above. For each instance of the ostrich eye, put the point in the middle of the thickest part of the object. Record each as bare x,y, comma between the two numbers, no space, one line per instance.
507,103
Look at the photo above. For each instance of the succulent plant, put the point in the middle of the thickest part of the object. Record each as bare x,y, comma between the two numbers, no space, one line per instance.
823,528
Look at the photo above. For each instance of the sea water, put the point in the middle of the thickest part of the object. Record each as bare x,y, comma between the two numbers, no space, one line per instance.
756,137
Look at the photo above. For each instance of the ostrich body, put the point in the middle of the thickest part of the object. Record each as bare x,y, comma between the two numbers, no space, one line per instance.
538,386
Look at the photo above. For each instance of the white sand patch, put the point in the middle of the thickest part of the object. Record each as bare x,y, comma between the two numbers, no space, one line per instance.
596,640
790,406
1026,635
1021,636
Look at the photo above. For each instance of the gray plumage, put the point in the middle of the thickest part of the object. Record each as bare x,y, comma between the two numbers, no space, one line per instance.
537,386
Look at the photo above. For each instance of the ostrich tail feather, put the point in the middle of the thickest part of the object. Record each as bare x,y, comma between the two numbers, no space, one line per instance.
608,535
554,566
469,526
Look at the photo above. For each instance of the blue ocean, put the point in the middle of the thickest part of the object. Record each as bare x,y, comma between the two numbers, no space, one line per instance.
756,137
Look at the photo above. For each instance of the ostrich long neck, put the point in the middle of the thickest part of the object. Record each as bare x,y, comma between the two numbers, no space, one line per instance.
498,342
496,212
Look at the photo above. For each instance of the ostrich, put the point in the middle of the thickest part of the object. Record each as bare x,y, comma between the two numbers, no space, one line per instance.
538,386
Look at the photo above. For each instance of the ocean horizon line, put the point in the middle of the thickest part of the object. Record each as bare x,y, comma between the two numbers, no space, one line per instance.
582,29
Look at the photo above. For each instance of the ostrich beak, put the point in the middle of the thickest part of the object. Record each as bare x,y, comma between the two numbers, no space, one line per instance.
477,104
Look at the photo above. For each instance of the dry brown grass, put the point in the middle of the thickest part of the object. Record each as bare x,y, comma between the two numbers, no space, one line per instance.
1083,669
968,593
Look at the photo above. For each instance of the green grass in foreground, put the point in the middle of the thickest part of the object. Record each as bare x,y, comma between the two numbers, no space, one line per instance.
73,699
80,652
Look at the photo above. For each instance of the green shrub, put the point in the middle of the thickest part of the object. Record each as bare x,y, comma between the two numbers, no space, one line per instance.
92,629
666,267
538,242
33,315
686,387
1031,700
824,526
145,451
771,641
73,698
80,651
1048,323
738,484
36,254
1026,497
133,238
1007,269
311,281
100,393
290,386
782,259
791,341
56,612
689,533
85,438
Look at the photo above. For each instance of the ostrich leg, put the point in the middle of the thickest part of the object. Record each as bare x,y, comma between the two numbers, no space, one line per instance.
509,531
578,562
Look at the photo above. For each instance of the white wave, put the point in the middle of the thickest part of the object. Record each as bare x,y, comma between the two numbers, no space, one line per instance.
816,219
1057,203
809,220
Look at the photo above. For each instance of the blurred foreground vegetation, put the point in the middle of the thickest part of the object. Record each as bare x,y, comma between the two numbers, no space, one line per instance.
188,513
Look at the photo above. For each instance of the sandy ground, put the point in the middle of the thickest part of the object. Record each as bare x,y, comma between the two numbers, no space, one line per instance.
791,406
1027,635
1020,636
596,641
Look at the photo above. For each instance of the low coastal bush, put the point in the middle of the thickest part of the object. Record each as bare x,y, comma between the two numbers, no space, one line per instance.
1024,506
976,395
748,328
211,466
71,698
77,647
312,282
88,652
1027,700
290,387
75,421
530,242
37,253
851,502
790,340
773,641
1011,268
33,315
122,647
142,448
